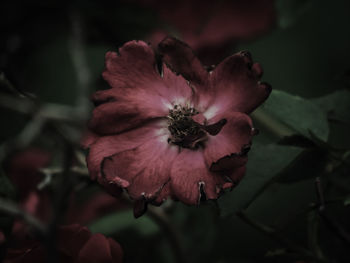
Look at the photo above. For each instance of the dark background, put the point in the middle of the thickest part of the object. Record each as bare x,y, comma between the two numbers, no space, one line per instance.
306,54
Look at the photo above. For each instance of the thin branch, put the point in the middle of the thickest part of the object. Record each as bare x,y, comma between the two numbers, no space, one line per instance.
158,215
313,236
52,171
274,126
12,209
24,138
51,111
80,63
330,222
272,233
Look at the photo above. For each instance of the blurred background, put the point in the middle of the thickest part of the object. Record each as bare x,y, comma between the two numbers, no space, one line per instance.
292,205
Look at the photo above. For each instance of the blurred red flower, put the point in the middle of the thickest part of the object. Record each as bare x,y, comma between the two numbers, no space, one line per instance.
212,28
183,132
75,244
23,169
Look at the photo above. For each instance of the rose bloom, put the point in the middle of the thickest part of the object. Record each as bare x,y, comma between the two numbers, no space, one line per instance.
169,128
75,244
212,28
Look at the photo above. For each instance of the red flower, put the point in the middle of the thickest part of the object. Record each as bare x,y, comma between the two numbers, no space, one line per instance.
182,133
75,244
212,28
23,170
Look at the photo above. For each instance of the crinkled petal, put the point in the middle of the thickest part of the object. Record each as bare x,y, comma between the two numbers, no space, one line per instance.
88,138
144,170
181,59
72,238
237,175
110,145
190,176
237,86
115,117
134,66
164,193
138,92
226,150
97,249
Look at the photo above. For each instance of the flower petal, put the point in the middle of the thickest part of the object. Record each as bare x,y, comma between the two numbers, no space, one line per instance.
72,238
119,116
164,193
133,67
190,176
237,86
138,92
116,251
144,170
97,249
181,59
225,151
107,146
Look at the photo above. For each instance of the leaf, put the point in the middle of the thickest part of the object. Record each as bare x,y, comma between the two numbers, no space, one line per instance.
122,220
265,162
310,163
298,113
336,105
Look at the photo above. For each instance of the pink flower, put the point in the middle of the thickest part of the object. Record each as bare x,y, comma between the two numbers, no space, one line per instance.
212,28
181,132
75,244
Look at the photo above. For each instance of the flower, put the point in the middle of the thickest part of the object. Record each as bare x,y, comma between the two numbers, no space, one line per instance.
212,28
169,128
23,170
75,244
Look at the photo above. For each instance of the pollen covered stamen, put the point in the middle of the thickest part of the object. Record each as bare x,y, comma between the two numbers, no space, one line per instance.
184,131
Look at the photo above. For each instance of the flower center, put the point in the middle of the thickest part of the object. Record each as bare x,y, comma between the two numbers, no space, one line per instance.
184,131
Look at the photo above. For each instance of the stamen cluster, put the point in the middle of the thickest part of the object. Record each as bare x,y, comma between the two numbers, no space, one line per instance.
182,128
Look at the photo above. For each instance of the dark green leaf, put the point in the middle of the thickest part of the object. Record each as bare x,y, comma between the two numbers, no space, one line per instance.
265,162
298,113
336,105
310,163
122,220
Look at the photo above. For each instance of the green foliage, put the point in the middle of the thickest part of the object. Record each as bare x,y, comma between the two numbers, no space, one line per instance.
265,162
298,113
336,105
123,220
309,164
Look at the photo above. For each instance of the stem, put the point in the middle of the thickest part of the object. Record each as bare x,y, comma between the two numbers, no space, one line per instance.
158,215
80,63
312,228
12,209
330,222
277,128
272,233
